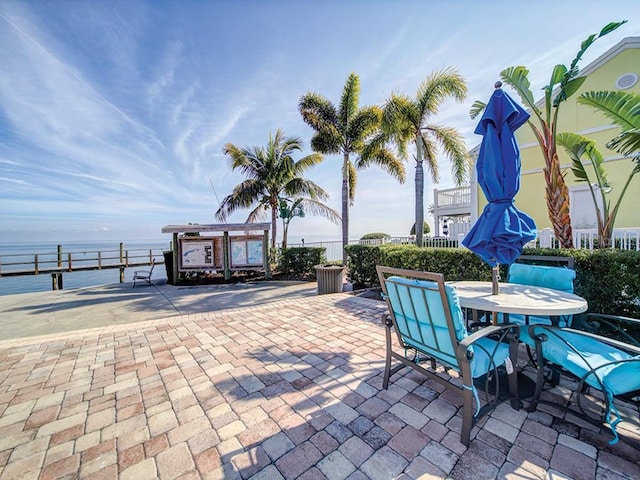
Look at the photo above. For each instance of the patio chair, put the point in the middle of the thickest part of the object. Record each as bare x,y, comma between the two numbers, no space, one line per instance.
426,316
555,277
595,362
144,275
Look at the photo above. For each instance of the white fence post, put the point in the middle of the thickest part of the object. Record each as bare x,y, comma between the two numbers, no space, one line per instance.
545,238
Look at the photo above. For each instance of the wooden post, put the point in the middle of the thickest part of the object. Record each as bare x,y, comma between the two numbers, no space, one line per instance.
265,255
59,256
56,281
70,265
226,255
99,260
121,274
35,264
121,252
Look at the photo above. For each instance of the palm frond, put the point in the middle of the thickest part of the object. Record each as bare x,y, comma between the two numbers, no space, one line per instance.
430,155
579,147
317,111
319,209
622,108
476,109
628,144
349,100
518,79
439,86
455,149
353,180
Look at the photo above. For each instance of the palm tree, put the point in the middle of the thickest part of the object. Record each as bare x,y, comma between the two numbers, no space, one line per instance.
271,174
409,120
566,82
290,209
349,130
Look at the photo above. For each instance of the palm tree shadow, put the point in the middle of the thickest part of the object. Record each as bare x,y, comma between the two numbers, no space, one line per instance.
298,396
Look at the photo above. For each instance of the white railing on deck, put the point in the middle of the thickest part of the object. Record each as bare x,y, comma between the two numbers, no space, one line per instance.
453,197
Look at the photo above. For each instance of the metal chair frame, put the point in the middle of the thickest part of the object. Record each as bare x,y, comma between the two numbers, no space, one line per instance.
415,356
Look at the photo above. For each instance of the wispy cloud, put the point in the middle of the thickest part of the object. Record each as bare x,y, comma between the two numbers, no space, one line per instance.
115,114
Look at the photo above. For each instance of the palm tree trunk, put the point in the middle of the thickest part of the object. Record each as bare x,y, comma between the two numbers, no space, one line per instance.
419,192
285,228
274,226
345,206
558,202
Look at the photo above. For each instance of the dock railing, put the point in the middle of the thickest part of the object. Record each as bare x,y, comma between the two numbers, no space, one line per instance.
55,263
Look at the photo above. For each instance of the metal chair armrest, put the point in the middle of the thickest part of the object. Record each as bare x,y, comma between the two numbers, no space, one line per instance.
486,331
632,349
615,324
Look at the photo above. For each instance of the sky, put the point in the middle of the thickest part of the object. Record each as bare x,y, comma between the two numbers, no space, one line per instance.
113,114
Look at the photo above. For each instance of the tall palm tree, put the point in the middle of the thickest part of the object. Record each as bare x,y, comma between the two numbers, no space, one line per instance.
564,82
271,173
349,130
409,120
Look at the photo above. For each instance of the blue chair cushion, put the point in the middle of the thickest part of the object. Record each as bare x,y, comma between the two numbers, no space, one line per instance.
557,278
421,322
617,370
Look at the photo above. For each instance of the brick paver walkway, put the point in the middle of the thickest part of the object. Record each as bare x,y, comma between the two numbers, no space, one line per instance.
284,390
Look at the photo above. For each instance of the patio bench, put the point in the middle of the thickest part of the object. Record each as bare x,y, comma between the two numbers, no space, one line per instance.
427,318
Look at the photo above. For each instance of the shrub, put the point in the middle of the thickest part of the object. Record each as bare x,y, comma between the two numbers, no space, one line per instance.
425,228
608,279
375,236
301,261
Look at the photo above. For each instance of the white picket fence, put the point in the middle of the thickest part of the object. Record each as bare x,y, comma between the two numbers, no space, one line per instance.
623,239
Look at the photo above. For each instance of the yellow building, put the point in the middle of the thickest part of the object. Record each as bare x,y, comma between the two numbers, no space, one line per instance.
617,69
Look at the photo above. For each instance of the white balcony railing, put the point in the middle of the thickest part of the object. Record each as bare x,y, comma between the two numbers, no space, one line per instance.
453,197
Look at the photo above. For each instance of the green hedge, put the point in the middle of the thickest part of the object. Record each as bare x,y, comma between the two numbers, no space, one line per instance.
608,279
300,261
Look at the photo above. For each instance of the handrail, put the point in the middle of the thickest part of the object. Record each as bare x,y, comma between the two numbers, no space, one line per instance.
14,264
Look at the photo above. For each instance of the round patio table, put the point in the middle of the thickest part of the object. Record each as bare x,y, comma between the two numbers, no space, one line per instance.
520,299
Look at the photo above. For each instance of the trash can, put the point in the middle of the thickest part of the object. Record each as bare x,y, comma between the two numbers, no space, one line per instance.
329,278
168,265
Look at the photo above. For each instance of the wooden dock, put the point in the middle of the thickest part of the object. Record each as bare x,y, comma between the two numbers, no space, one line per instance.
56,263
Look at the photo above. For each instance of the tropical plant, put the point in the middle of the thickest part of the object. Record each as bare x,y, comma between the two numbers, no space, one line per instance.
290,209
623,108
564,82
349,130
271,174
581,149
409,120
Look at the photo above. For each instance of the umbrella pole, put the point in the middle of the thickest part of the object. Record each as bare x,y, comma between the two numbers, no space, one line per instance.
495,276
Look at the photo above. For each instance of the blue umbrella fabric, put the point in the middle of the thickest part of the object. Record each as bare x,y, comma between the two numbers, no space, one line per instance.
501,231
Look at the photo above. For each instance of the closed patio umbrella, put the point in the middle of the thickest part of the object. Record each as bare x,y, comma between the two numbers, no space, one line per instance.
501,231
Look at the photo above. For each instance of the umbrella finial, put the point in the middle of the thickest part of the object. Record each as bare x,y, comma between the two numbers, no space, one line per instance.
498,84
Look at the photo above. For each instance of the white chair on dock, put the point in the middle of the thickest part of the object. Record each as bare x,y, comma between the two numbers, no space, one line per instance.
144,275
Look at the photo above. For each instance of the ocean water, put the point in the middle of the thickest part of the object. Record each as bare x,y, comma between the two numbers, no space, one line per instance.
47,252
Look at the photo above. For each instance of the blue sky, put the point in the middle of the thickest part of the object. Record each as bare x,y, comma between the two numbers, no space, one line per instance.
113,114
